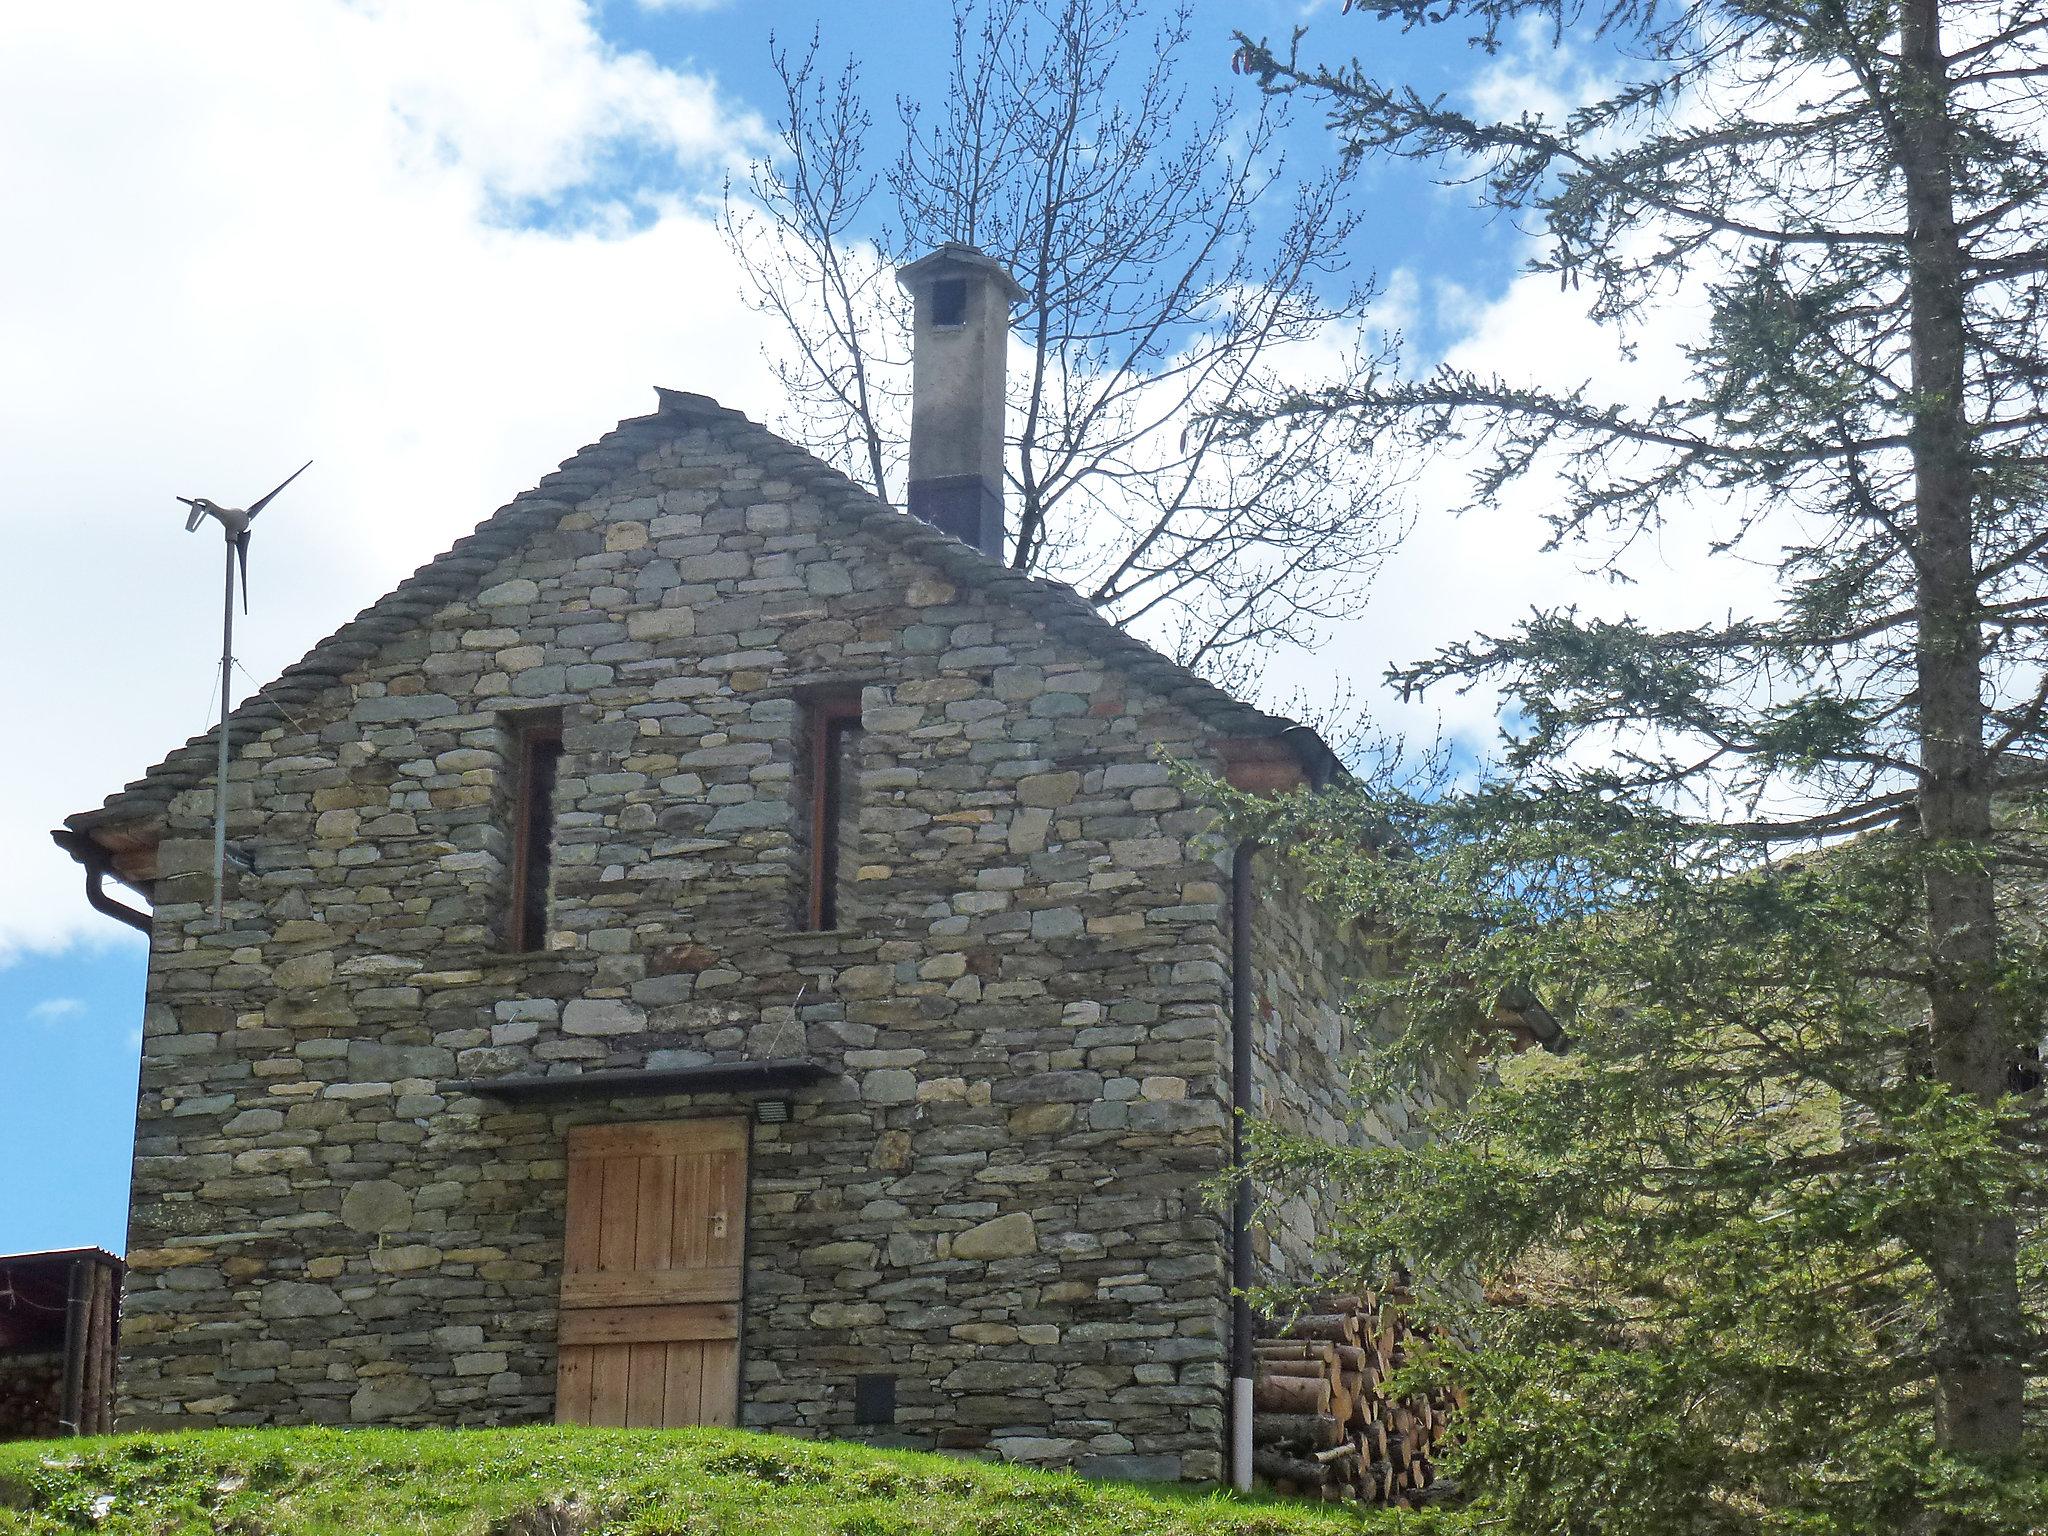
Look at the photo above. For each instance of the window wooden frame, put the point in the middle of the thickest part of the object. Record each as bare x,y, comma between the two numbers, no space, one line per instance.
830,719
537,752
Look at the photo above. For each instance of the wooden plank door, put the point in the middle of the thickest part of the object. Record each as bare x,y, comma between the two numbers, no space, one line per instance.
651,1274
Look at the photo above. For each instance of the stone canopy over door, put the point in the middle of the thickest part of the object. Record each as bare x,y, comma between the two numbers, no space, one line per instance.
651,1274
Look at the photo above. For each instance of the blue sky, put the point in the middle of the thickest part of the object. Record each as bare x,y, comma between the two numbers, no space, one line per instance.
277,229
73,1022
907,53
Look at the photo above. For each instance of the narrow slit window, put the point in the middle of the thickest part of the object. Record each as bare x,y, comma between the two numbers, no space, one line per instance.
834,813
537,745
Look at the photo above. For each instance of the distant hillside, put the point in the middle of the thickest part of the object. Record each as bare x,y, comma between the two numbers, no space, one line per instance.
593,1482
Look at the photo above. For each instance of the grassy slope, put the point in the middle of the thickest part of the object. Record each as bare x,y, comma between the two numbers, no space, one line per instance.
468,1483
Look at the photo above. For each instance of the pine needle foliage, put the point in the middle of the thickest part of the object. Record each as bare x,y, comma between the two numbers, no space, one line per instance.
1684,1254
1764,1244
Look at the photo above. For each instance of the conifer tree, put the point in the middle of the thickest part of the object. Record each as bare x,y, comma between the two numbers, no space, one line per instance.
1771,1224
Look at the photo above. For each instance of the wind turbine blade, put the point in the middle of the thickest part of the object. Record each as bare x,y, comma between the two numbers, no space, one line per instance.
242,555
288,479
196,516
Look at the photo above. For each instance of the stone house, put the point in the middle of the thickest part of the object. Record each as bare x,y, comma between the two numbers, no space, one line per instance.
711,947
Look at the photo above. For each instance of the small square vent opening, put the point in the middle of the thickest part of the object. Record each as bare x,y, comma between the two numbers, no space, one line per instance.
874,1399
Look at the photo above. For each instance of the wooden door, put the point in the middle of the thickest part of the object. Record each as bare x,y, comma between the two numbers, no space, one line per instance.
651,1274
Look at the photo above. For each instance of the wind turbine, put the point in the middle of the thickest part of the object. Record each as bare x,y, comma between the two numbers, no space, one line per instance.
234,522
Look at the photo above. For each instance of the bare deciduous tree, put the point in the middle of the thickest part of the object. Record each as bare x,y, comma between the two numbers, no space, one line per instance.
1177,272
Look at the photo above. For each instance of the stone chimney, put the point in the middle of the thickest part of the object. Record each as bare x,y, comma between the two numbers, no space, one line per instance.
960,342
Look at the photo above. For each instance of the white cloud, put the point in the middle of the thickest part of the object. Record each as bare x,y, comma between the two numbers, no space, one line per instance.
1535,75
257,231
51,1009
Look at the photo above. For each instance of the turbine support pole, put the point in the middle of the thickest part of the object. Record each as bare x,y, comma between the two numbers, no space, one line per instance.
220,788
234,523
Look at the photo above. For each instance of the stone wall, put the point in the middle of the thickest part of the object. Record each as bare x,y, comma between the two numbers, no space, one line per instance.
31,1394
997,1195
1304,1047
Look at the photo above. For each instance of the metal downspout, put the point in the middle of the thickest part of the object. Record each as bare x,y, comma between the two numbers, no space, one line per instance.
97,866
1319,766
1241,898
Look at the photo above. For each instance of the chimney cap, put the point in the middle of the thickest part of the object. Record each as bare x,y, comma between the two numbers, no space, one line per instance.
946,262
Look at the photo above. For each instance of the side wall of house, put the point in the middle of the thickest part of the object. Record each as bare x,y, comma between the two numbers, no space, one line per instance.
1306,1041
996,1196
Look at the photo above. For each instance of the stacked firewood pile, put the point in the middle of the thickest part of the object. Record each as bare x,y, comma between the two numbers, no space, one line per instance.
31,1389
1321,1425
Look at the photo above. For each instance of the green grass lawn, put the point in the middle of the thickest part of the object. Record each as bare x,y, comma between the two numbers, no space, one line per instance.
599,1482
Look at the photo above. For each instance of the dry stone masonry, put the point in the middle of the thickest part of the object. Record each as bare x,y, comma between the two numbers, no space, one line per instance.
997,1192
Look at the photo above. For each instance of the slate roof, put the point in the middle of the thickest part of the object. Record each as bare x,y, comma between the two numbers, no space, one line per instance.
460,573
